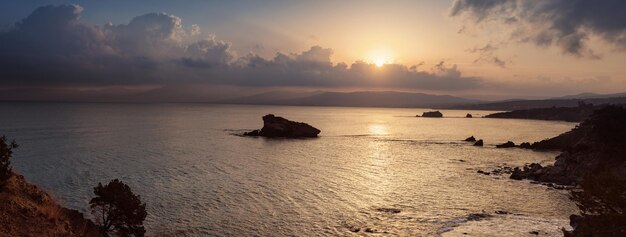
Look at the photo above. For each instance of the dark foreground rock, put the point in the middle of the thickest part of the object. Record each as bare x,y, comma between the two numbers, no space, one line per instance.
468,116
593,157
470,139
274,126
508,144
432,114
479,143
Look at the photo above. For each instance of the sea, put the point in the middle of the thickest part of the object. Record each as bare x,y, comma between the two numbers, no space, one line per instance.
371,171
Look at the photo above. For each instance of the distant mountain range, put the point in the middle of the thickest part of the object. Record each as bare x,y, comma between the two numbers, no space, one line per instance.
352,99
568,101
591,95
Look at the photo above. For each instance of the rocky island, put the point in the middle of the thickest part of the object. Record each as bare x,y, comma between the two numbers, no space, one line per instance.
432,114
274,126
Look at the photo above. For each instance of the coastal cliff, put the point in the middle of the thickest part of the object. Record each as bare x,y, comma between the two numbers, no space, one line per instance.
594,160
26,210
568,114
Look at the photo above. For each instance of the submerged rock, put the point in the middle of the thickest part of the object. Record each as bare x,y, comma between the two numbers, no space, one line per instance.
274,126
508,144
483,172
479,143
432,114
478,216
389,210
470,139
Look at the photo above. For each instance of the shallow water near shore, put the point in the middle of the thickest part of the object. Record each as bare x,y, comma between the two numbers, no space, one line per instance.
372,171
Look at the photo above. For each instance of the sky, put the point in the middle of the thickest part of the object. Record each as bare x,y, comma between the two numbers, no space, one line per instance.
210,50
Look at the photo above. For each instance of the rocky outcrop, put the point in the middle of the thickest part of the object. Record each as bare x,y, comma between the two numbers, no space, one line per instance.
432,114
479,143
596,163
508,144
25,210
595,146
274,126
470,139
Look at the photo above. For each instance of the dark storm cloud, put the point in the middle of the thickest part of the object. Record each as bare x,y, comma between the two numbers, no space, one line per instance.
566,23
52,48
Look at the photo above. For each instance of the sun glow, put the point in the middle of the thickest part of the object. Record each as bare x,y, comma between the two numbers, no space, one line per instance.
380,58
379,62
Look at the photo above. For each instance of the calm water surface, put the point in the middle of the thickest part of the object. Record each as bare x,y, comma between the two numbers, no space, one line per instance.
199,178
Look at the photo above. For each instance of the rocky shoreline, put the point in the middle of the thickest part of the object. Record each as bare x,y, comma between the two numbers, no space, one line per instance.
593,159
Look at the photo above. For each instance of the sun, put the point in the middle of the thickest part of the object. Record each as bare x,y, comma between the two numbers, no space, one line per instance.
379,62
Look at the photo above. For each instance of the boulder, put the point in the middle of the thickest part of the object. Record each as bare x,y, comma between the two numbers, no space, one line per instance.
479,143
468,116
432,114
470,139
508,144
274,126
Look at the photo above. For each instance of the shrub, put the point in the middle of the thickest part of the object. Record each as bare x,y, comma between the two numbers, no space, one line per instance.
118,210
6,150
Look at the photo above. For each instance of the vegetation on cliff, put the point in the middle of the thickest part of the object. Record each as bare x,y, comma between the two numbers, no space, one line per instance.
118,210
25,210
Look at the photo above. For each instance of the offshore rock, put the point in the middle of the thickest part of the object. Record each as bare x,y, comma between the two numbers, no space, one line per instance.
432,114
479,143
508,144
274,126
470,139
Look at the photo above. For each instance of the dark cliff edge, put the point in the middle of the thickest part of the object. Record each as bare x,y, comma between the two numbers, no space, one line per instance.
593,159
25,210
568,114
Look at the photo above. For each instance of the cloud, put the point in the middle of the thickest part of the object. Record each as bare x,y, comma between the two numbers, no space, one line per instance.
487,54
52,48
566,23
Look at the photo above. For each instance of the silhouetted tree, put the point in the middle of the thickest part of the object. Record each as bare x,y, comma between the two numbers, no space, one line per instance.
118,210
6,150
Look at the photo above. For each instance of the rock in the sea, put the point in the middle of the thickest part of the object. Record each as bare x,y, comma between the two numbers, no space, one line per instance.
468,116
274,126
483,172
532,171
432,114
478,216
506,145
470,139
479,143
525,145
389,210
